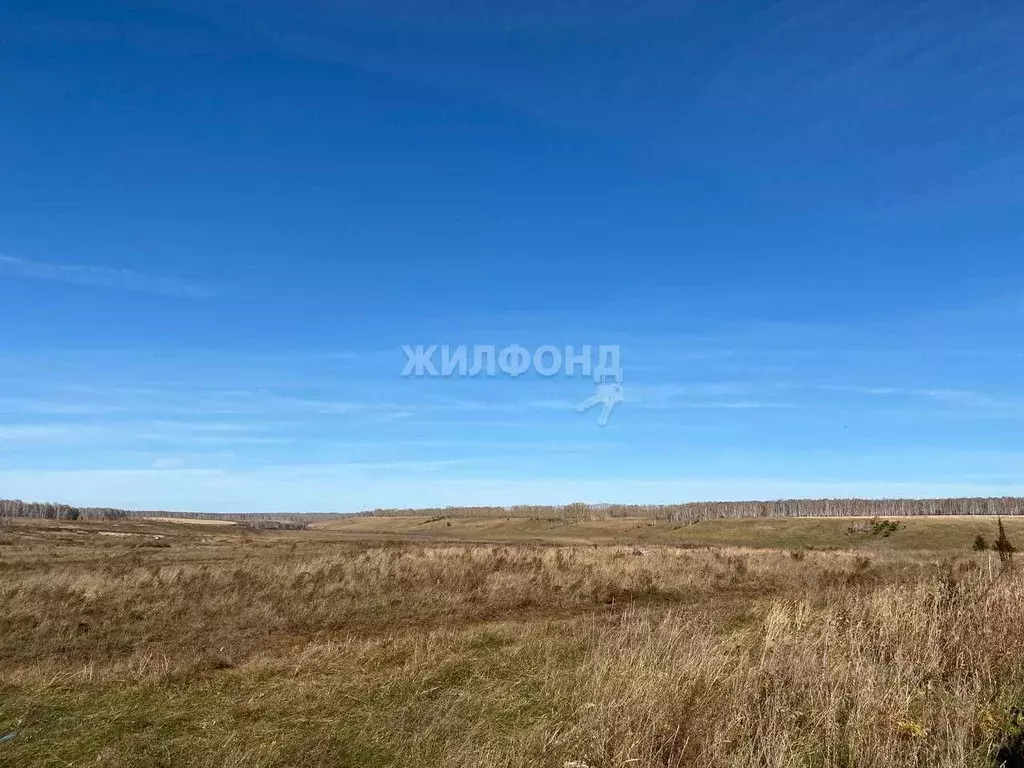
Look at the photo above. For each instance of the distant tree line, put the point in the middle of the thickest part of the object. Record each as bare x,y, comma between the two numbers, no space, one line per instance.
679,513
712,510
51,511
54,511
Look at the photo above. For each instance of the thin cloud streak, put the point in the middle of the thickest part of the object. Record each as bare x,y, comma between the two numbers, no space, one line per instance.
964,398
103,277
18,405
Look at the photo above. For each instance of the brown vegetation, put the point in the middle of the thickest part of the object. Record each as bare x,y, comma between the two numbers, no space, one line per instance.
172,644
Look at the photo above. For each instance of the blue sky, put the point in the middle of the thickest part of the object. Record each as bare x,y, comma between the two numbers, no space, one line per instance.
801,223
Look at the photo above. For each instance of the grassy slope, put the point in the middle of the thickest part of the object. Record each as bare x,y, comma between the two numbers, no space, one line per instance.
950,534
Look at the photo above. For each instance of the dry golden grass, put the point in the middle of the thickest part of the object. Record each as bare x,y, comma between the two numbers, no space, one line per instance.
944,533
181,645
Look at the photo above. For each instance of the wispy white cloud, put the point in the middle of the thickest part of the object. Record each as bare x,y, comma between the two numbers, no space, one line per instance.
700,396
313,405
197,400
104,277
962,398
169,462
965,398
22,433
115,433
53,407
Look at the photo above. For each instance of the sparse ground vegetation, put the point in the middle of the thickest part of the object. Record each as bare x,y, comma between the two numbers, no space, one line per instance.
485,643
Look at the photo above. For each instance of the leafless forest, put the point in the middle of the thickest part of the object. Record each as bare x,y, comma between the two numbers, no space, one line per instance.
713,510
678,513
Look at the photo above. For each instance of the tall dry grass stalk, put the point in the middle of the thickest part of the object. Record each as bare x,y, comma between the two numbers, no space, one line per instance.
928,673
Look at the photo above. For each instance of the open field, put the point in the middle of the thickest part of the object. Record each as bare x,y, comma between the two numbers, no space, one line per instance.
947,533
189,520
419,641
